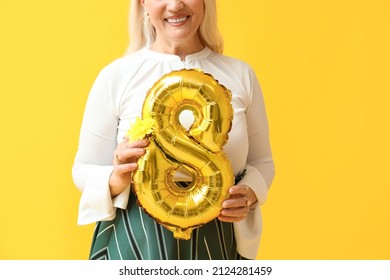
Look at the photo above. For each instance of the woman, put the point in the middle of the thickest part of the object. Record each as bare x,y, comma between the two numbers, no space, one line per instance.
169,35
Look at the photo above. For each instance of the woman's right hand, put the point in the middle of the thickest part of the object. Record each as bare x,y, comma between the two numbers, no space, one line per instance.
125,157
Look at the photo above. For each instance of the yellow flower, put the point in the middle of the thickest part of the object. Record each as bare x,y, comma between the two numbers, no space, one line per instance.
141,128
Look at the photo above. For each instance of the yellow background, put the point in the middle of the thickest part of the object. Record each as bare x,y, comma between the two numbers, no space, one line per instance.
324,69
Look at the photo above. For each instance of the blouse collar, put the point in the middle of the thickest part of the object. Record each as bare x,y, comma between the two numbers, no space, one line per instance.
204,53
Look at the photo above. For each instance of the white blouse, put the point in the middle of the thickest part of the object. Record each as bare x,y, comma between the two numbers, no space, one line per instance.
116,99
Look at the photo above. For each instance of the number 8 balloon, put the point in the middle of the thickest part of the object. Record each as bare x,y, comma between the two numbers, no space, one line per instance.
198,150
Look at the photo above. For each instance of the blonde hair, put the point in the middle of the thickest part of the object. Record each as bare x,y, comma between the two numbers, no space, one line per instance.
142,35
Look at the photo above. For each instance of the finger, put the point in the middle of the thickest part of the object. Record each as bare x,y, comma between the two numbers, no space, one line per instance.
243,191
125,144
230,219
136,144
238,189
127,155
233,215
235,212
235,202
125,168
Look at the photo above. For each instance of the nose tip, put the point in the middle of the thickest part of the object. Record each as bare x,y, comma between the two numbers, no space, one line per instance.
175,5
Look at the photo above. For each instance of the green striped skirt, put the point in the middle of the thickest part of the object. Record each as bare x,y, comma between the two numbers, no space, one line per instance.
134,235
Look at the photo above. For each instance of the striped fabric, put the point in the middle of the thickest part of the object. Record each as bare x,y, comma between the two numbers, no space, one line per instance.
134,235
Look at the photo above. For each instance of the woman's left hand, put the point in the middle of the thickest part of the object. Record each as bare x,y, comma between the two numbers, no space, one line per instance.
237,206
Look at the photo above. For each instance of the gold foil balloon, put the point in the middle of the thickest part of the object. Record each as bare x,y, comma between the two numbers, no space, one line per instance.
196,151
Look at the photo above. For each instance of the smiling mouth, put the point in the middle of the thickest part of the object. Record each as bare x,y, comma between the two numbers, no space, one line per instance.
177,20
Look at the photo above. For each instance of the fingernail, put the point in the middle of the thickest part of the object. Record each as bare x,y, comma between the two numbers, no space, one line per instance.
232,189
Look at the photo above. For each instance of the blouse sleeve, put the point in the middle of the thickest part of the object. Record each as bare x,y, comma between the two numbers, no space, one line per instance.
93,162
259,170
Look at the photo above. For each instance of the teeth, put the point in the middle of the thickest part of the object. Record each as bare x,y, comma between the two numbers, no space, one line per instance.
176,20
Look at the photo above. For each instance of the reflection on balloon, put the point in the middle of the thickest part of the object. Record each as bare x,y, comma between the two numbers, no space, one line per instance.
175,150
